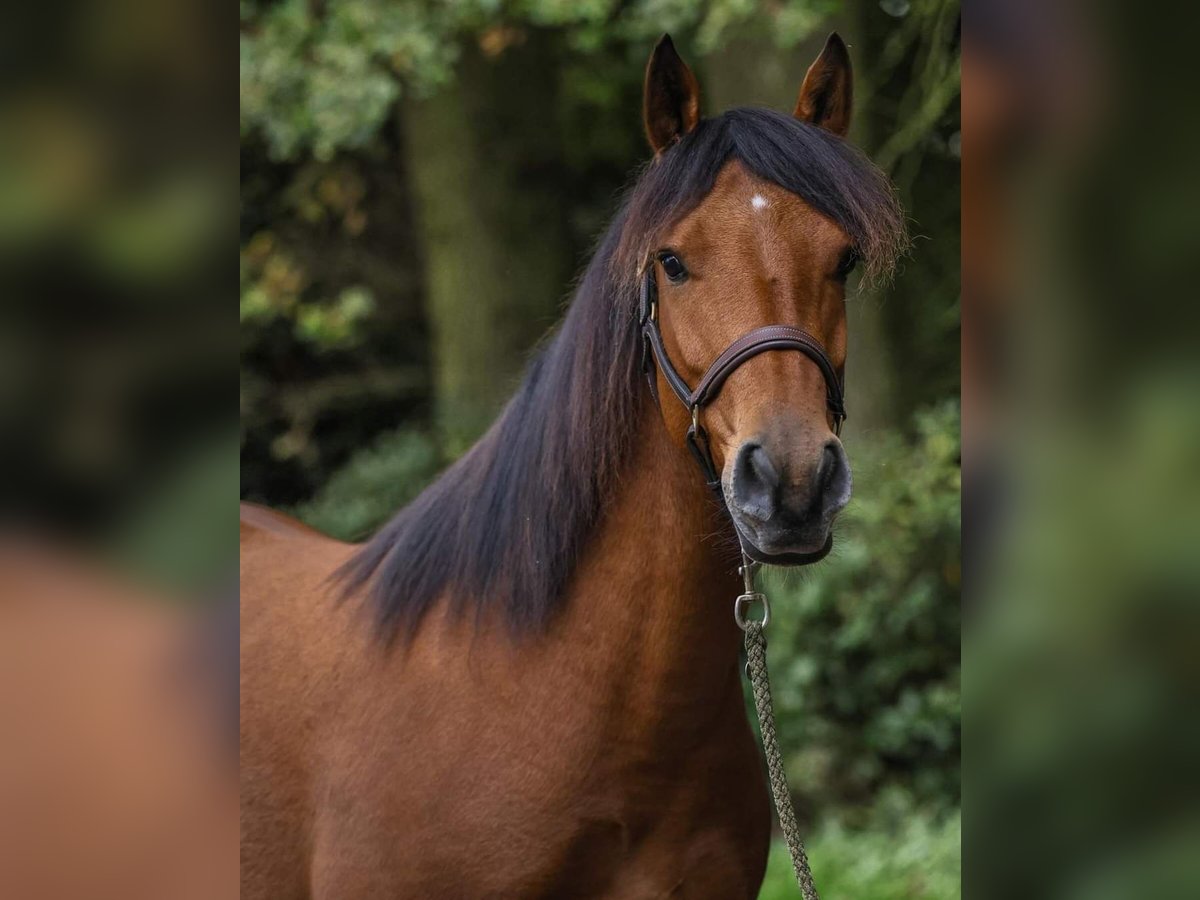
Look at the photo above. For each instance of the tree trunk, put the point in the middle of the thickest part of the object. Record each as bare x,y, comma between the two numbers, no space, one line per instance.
491,216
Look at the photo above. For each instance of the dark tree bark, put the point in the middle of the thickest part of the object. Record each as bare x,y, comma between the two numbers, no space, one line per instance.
491,213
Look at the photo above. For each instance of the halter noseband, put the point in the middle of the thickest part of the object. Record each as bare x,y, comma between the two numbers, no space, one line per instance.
749,345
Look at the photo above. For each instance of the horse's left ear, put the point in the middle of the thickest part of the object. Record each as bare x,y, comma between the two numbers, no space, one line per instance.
828,90
671,105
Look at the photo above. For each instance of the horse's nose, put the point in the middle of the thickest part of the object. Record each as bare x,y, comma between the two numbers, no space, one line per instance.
760,490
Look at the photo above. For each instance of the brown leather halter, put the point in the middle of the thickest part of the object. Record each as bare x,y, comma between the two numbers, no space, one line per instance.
749,345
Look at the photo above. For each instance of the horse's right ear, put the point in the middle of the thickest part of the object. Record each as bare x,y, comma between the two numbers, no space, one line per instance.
671,105
827,93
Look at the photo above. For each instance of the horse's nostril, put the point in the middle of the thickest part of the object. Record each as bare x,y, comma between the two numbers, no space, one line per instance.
755,481
833,478
829,466
762,467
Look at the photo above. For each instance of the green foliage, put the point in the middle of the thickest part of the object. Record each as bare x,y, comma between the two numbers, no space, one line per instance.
320,78
373,485
919,860
865,646
274,286
327,80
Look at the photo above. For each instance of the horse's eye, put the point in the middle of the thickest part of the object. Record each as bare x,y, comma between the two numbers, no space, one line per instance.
673,266
847,264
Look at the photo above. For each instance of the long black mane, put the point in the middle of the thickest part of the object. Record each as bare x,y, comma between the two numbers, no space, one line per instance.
505,526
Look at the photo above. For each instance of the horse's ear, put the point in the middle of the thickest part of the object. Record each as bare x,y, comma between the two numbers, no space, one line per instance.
828,90
671,105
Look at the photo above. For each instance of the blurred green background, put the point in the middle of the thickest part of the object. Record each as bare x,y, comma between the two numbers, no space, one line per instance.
420,183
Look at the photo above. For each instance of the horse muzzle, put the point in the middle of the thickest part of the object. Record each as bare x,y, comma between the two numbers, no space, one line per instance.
784,506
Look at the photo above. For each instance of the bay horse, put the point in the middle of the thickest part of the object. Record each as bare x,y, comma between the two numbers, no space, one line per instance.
527,683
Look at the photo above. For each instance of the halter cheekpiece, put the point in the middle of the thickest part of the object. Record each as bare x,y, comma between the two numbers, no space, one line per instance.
749,345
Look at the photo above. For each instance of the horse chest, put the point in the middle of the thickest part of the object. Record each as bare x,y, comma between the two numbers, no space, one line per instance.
678,827
543,817
560,777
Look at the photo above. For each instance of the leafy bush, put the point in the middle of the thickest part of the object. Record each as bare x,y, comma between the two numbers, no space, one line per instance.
864,647
319,79
373,485
917,861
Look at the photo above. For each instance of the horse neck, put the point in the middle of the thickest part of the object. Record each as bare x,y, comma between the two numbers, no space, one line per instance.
652,606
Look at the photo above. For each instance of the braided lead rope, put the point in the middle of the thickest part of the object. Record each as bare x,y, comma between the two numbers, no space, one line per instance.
760,684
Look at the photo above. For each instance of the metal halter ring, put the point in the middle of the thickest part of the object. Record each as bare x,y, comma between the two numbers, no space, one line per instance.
742,601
